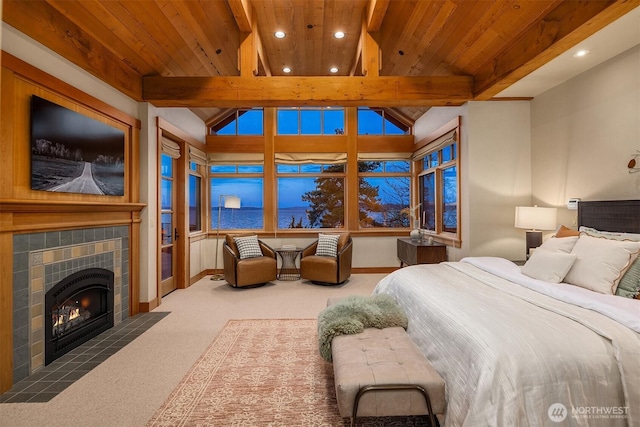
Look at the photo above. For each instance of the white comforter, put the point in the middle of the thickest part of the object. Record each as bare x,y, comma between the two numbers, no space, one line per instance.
509,353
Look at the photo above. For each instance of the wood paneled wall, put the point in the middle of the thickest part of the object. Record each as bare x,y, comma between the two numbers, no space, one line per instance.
23,210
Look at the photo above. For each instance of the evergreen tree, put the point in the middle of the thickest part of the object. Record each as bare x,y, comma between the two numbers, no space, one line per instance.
327,199
368,197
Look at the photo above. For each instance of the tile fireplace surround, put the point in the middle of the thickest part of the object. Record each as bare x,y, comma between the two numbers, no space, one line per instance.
40,260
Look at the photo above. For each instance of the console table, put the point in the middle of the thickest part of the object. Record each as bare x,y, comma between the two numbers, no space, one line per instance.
411,252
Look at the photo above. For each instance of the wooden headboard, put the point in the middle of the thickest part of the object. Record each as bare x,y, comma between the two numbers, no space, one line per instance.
621,216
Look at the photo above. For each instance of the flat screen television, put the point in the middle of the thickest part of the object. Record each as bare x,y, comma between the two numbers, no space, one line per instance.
73,153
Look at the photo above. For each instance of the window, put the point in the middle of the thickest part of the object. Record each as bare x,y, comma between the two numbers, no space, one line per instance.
439,184
195,197
376,121
166,198
384,193
310,121
242,122
310,195
305,189
245,182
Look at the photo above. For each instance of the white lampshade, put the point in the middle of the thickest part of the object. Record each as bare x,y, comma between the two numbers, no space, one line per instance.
535,218
232,202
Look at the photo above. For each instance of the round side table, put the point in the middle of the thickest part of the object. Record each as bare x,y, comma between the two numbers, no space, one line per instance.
288,268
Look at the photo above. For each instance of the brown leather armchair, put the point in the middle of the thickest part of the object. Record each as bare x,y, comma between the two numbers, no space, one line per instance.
326,270
248,272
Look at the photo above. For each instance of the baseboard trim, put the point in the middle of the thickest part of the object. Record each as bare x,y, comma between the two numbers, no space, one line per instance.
146,307
373,270
198,276
354,270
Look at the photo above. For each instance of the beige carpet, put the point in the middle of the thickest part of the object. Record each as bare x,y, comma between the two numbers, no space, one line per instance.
127,389
261,372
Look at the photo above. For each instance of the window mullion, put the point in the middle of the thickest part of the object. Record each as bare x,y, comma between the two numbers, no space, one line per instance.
439,198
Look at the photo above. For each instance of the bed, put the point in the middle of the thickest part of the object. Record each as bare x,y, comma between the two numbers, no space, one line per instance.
519,351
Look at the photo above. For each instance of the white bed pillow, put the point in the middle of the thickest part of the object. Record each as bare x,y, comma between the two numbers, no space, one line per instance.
601,263
629,284
559,244
609,234
548,266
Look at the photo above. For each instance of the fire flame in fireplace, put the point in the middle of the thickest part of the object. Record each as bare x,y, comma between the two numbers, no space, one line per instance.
67,317
73,313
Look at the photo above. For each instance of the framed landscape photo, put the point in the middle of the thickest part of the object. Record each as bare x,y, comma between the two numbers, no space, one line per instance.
73,153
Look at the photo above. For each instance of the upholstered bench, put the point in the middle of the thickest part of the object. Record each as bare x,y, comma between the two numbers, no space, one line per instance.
381,372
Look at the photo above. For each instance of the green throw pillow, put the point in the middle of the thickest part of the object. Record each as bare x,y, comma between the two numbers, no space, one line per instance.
629,285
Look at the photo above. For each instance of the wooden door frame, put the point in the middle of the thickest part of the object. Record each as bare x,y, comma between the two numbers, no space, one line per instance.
180,251
181,176
174,226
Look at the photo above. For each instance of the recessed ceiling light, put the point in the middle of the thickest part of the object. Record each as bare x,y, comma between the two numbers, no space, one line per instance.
580,53
333,69
339,34
279,34
286,70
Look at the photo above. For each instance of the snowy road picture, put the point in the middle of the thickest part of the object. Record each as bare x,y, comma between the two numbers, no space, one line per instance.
82,184
73,153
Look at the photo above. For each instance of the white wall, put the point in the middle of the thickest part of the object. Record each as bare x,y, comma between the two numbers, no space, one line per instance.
498,170
495,173
584,133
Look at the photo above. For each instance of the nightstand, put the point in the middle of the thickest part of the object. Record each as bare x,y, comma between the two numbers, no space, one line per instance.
411,252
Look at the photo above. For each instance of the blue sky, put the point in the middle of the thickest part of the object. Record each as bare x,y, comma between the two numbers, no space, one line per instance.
293,122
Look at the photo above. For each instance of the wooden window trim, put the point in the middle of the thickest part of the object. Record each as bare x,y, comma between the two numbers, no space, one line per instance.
387,175
449,238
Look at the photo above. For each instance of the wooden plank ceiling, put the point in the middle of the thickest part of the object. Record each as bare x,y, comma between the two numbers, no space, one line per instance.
217,55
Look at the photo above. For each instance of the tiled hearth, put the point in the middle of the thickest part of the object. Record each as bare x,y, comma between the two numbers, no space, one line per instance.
52,379
41,260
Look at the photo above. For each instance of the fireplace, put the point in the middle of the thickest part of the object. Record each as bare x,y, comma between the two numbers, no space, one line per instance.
77,309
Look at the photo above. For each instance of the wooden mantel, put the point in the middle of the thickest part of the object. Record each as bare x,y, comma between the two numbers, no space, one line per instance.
20,216
25,211
15,205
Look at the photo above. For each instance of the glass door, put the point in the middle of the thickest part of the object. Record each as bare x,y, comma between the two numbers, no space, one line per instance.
168,229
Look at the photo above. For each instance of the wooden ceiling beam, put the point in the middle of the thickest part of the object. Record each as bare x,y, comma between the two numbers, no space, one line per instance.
243,14
356,63
248,55
562,28
370,52
376,9
221,115
241,11
399,115
262,56
42,22
276,91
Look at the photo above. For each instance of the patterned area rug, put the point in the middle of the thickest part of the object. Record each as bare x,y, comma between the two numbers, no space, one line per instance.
262,373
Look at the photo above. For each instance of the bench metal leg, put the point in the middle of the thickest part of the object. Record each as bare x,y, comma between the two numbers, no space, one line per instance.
383,387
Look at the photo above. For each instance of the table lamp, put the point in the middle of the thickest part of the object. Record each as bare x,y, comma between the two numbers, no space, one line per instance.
535,219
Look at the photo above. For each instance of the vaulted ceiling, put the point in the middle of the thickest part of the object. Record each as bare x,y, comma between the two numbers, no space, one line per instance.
216,55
